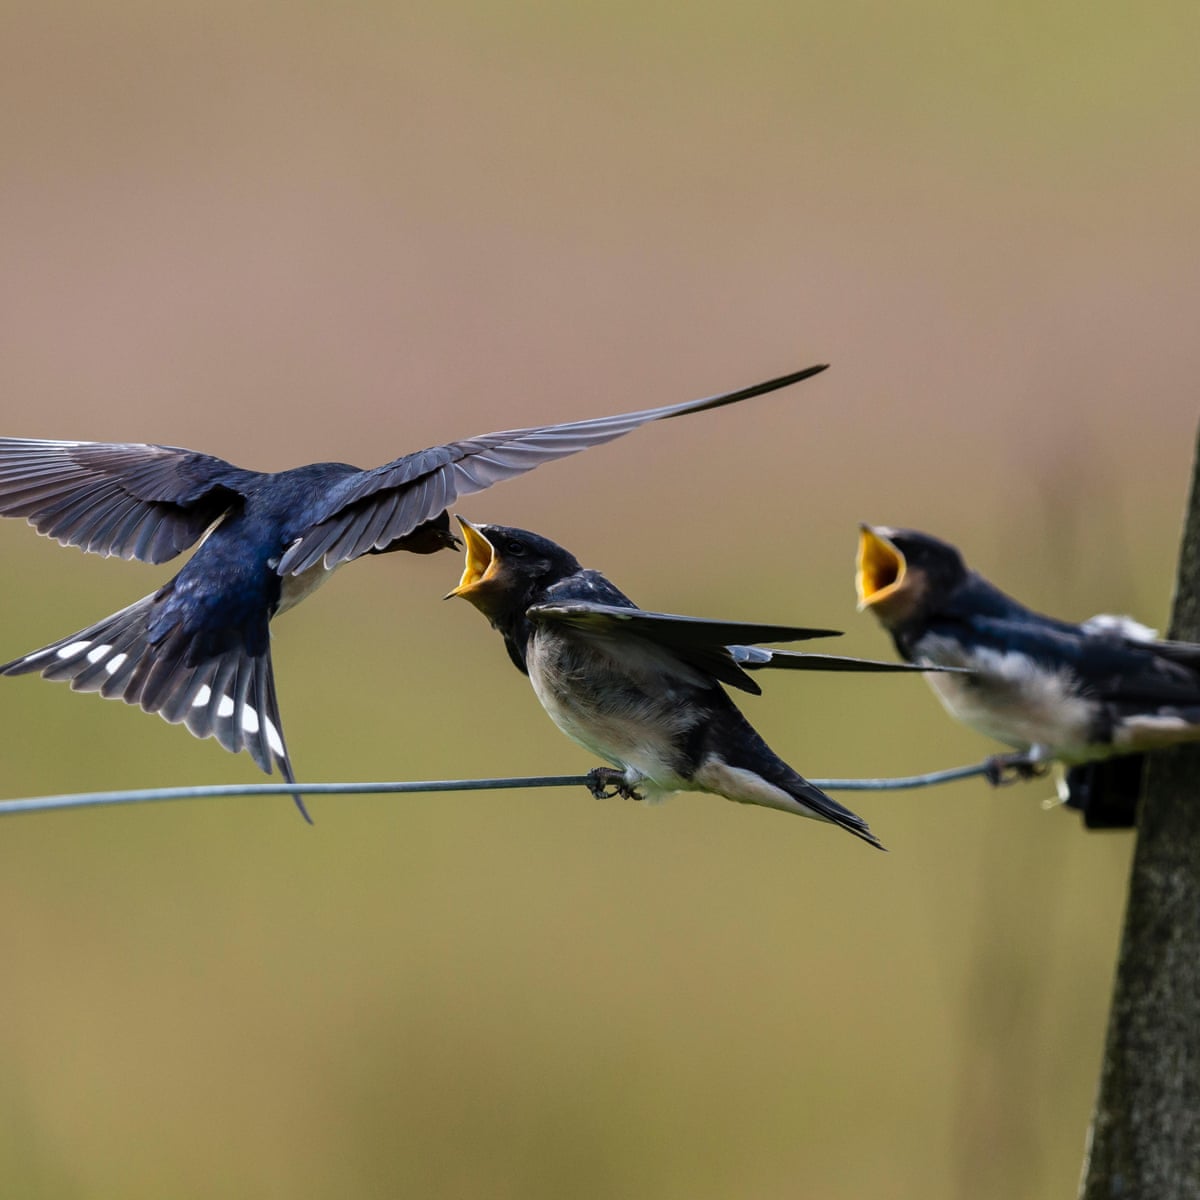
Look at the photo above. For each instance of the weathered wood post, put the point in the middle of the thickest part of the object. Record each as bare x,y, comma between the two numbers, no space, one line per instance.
1144,1143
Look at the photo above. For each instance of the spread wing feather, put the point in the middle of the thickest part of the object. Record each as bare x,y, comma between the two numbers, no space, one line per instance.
428,481
124,499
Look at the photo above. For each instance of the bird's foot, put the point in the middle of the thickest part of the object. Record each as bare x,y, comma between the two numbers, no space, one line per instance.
606,782
1006,769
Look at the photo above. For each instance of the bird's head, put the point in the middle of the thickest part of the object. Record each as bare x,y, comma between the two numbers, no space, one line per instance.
507,569
902,575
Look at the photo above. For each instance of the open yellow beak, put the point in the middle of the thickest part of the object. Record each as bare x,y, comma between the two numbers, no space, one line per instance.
880,568
481,560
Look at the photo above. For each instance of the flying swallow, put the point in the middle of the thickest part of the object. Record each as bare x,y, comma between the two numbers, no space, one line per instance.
642,690
197,650
1049,689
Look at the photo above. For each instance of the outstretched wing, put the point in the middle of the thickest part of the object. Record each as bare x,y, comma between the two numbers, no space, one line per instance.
123,499
374,508
709,646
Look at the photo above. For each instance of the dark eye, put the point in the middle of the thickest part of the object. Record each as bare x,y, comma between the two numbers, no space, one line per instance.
515,549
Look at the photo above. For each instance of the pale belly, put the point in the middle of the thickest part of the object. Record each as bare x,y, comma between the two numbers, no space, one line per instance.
1015,703
299,587
631,718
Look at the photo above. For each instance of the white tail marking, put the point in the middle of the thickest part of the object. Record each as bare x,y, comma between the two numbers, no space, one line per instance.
273,738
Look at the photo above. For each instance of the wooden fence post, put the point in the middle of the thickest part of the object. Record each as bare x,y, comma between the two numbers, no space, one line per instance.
1144,1142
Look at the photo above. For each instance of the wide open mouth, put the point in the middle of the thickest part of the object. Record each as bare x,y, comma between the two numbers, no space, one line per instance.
880,567
481,559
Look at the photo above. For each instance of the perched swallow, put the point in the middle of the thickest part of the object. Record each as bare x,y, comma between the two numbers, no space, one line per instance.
198,649
642,689
1050,689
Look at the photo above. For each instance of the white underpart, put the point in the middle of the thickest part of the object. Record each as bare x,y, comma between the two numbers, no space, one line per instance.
71,650
297,587
1125,627
636,736
736,783
96,653
1013,699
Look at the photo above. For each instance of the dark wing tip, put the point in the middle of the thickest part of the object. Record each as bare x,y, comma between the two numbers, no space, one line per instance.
748,393
371,510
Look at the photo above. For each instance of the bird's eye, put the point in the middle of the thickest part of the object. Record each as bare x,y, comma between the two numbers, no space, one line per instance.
515,549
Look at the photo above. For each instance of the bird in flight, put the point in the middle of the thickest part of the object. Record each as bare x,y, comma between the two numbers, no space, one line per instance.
197,650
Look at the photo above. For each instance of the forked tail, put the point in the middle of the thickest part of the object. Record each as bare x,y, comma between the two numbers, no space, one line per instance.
229,696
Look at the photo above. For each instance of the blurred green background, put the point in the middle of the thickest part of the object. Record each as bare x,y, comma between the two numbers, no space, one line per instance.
290,232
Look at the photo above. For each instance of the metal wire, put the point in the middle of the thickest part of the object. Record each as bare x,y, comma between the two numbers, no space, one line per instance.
902,783
33,804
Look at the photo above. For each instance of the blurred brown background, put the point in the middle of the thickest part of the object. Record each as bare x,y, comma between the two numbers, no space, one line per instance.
283,233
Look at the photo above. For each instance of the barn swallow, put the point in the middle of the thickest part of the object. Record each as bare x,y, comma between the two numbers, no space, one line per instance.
1049,689
642,690
197,650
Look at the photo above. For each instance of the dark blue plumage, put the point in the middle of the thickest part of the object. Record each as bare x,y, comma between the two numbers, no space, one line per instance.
1048,688
197,650
642,690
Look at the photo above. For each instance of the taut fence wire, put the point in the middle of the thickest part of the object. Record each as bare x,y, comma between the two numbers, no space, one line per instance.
36,804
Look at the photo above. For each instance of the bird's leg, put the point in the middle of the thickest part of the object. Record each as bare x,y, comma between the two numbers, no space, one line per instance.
603,782
1021,765
606,782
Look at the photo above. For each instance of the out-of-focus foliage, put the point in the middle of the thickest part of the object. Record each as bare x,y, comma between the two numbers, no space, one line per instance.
287,233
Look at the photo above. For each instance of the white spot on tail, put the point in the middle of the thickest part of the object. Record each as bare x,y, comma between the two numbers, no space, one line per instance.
71,650
273,738
114,664
249,720
202,696
97,653
225,706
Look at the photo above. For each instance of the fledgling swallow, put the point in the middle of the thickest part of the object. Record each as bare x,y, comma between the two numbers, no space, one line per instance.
197,650
1049,689
642,690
